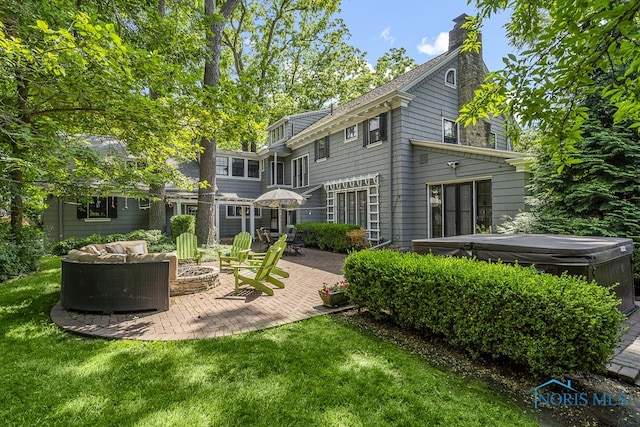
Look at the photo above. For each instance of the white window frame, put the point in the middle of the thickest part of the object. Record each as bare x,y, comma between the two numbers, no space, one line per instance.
303,179
493,136
354,136
245,168
232,212
227,166
455,78
321,157
189,209
276,134
457,130
273,175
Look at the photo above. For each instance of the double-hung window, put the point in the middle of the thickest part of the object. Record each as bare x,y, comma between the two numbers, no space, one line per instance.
300,172
222,166
350,133
322,148
449,131
237,167
375,130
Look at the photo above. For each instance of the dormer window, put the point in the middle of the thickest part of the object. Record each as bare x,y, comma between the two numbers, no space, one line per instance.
276,134
450,77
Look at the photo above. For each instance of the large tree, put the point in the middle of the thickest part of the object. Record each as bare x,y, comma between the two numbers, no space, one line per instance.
67,72
217,19
563,44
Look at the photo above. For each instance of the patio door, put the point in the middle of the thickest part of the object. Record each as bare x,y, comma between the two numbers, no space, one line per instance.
459,208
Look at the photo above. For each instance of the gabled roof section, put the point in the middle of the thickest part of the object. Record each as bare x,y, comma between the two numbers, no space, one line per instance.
392,93
286,118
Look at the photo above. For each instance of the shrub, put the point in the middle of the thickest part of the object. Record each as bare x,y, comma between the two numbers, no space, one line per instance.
64,246
553,325
328,236
358,239
181,224
20,257
156,241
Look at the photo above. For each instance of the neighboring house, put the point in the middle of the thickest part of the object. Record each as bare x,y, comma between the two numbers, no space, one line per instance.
393,160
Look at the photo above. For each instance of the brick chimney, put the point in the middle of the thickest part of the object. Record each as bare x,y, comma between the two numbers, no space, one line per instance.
470,76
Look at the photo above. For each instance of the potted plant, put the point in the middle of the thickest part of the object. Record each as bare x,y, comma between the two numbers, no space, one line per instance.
334,295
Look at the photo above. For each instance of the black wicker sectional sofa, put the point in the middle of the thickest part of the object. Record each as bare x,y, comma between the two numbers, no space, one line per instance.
117,277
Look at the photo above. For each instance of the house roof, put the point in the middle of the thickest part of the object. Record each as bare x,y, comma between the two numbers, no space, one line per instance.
393,93
284,119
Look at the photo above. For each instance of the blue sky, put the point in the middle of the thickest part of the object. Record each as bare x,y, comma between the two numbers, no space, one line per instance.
419,26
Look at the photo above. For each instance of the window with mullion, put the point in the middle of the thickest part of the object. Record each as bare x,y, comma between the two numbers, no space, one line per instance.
237,167
449,131
222,166
322,148
300,171
375,130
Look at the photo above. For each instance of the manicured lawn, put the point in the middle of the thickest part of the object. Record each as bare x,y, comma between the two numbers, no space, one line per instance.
318,372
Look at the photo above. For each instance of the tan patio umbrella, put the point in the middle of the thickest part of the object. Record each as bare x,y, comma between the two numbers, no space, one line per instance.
279,198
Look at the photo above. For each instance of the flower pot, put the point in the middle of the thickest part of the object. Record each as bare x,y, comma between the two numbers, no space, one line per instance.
333,299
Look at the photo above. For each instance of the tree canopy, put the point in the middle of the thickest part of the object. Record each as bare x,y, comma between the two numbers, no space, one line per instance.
563,44
163,79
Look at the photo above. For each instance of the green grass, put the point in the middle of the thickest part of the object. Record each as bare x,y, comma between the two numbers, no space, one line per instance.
318,372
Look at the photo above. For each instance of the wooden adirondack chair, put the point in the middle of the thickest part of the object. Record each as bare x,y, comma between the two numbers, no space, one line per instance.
259,276
187,248
255,258
238,252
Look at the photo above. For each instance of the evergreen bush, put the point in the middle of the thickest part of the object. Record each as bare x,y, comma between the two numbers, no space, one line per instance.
182,224
553,325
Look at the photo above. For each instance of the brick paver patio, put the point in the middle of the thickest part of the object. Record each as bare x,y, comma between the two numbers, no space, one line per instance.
219,312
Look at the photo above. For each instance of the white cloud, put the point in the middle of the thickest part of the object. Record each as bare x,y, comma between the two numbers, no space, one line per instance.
386,35
440,45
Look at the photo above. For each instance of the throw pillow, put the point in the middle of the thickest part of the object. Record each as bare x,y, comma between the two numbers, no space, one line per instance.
115,248
90,249
137,249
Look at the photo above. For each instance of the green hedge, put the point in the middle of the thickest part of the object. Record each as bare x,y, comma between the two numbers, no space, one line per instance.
156,241
327,236
20,257
554,325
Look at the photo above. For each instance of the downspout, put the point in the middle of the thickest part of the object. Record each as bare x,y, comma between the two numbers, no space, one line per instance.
60,222
390,136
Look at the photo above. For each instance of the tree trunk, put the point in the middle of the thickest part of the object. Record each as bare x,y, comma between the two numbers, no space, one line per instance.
157,210
17,178
205,215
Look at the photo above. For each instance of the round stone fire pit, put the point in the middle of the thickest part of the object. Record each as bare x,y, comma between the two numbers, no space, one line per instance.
194,278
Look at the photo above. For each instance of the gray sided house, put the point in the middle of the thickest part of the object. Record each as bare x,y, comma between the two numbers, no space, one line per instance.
396,162
393,161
